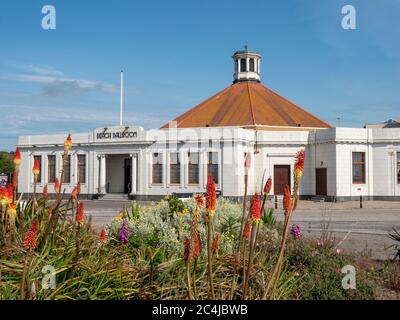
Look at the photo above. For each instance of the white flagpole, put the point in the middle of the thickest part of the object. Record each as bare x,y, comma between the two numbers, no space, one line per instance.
121,100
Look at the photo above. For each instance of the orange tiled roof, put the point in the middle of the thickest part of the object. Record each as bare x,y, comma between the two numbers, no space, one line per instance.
247,103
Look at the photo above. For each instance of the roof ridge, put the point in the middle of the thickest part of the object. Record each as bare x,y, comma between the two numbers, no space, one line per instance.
251,104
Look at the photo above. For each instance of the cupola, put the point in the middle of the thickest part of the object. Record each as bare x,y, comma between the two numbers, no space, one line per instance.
247,65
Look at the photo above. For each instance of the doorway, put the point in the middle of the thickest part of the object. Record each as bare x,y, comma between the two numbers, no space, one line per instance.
281,178
321,182
128,176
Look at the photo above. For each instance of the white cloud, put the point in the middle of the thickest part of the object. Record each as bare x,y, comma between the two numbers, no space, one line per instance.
62,85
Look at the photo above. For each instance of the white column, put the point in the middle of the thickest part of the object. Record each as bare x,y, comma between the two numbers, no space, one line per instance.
258,68
102,180
134,176
247,64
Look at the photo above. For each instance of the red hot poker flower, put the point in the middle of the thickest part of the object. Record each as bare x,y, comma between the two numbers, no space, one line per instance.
197,246
255,208
17,158
79,213
75,193
36,169
211,198
103,236
286,199
246,231
45,192
57,186
215,245
299,165
199,199
6,195
186,245
267,187
68,143
30,237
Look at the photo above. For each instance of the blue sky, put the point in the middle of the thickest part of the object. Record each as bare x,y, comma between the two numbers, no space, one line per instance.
176,53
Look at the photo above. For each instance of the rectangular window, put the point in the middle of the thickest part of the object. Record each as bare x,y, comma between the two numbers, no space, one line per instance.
39,160
51,167
359,167
193,167
398,167
67,170
82,168
157,168
175,168
212,166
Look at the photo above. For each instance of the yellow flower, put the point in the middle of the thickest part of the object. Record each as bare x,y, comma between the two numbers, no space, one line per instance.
119,217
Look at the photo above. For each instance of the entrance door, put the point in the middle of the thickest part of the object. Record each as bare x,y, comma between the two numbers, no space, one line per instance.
128,176
281,178
320,182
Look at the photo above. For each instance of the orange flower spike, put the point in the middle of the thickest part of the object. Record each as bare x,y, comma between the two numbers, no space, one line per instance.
17,159
186,249
45,192
211,197
68,143
57,186
74,193
299,165
199,199
286,199
6,195
30,237
197,246
268,185
79,217
215,245
246,230
36,169
255,209
12,210
103,237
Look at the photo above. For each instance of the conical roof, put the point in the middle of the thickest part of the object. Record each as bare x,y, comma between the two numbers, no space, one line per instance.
248,103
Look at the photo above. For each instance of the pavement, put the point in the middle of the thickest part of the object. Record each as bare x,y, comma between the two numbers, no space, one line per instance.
361,230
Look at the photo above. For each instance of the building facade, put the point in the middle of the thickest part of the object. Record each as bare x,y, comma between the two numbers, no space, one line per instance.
212,139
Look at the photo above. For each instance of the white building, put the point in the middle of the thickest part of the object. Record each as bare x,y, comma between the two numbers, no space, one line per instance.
212,138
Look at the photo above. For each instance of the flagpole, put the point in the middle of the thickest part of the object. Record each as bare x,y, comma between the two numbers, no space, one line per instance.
121,100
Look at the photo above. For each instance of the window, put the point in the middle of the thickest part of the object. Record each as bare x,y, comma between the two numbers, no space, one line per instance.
39,160
51,167
358,167
252,65
398,167
157,168
193,167
212,166
175,168
236,66
67,170
242,65
82,168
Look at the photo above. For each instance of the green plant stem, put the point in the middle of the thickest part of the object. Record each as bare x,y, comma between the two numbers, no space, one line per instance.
243,212
194,279
189,281
209,256
254,229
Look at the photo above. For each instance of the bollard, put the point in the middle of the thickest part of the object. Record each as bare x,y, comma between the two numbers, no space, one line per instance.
276,202
361,205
